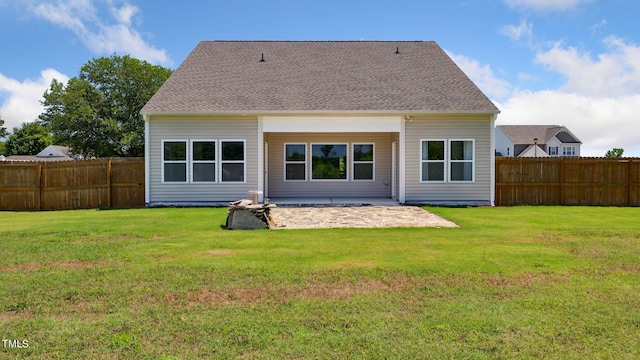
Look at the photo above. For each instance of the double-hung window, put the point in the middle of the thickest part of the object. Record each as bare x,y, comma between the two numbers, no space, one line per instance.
203,158
174,161
295,162
553,150
461,161
233,160
444,160
432,163
363,163
568,151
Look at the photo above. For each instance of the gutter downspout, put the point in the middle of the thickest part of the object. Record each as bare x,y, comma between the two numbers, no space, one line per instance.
402,162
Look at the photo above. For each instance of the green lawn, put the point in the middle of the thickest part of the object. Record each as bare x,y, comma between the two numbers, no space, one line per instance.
519,282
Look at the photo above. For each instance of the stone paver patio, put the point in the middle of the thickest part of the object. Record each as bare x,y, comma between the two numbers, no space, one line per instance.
356,217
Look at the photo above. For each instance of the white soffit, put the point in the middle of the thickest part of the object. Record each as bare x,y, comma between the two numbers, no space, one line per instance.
338,124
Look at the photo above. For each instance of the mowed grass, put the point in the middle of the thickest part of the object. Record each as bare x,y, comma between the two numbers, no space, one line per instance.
171,283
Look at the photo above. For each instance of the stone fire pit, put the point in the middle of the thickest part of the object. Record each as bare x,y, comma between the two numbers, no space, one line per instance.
247,215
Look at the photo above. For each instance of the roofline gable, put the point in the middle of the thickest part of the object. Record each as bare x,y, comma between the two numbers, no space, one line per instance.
564,129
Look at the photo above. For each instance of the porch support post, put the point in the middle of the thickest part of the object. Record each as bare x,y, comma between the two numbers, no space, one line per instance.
401,163
260,173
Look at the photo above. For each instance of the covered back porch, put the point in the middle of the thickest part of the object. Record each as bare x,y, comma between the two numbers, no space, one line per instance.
328,157
331,165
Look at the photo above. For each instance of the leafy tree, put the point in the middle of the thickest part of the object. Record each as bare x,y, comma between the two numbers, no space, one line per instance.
29,139
614,153
3,134
3,130
97,113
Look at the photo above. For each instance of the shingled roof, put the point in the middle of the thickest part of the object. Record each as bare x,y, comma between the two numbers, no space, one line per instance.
316,76
524,134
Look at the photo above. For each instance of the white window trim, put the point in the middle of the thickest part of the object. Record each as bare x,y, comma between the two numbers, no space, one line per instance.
566,152
473,161
443,161
551,153
185,161
192,161
243,162
306,161
354,162
218,162
346,179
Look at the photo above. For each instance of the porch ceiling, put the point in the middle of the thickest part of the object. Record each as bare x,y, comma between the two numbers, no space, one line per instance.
325,124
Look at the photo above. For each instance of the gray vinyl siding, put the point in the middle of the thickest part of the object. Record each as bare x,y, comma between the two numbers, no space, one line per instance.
477,128
380,187
191,128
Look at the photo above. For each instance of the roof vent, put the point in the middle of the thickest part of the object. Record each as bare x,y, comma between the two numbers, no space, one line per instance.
262,59
397,50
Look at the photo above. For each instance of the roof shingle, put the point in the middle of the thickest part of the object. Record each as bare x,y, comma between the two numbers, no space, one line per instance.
301,76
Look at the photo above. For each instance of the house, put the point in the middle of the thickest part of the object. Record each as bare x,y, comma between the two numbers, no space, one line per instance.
334,119
50,153
536,141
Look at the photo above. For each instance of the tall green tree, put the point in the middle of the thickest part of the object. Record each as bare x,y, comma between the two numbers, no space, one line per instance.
97,113
3,130
3,134
614,153
29,139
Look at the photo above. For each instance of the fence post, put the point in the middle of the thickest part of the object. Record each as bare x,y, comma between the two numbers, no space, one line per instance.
629,167
109,183
562,172
39,187
496,189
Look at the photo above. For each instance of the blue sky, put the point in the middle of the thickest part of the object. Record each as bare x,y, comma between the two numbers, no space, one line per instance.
568,62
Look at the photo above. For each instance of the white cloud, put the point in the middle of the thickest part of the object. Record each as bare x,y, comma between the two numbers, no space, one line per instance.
599,102
482,76
125,13
601,123
23,98
610,74
99,32
546,5
524,30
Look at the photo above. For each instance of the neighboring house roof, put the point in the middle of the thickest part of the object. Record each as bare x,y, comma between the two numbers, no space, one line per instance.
311,76
50,153
55,151
524,134
533,150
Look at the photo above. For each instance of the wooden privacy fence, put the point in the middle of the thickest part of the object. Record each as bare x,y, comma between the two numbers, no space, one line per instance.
65,185
567,181
119,183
